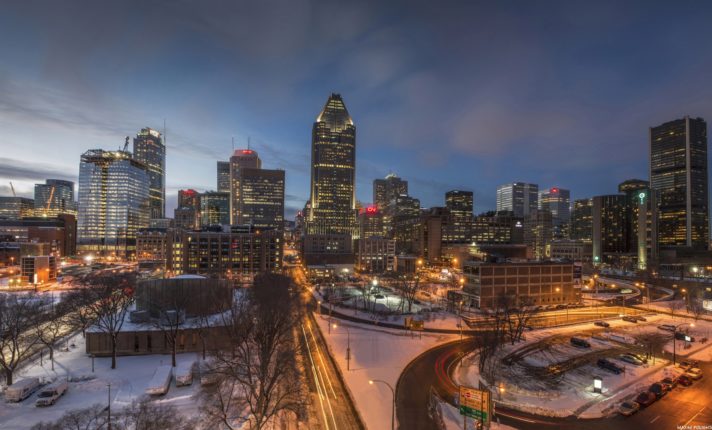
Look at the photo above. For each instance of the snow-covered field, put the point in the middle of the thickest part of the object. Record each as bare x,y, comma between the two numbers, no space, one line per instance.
376,353
128,382
528,383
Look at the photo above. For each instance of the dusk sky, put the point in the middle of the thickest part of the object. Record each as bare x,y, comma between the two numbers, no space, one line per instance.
448,95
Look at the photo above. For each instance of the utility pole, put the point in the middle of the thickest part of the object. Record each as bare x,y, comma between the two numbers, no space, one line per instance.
109,409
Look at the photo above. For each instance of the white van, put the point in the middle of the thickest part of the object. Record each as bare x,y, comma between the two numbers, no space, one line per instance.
184,373
161,381
50,394
21,390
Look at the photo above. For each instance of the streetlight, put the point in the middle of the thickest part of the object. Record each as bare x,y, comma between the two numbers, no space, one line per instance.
348,347
393,409
597,385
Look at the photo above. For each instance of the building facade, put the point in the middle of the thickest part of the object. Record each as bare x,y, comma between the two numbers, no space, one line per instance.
609,227
518,197
498,227
387,189
55,197
678,172
214,208
461,206
260,198
332,208
223,176
240,159
375,255
581,220
148,149
59,233
114,202
16,207
538,233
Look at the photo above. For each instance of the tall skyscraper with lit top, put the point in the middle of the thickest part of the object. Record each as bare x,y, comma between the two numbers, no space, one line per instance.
333,171
148,148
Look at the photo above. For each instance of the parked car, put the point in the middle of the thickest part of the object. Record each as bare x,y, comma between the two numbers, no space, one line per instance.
672,382
21,389
50,394
630,319
640,357
601,324
684,380
684,336
609,365
645,399
184,373
640,318
628,408
658,389
161,381
686,364
667,387
667,327
379,296
694,373
630,359
581,343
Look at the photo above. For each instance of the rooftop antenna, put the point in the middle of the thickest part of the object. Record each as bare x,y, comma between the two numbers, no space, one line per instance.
233,144
248,142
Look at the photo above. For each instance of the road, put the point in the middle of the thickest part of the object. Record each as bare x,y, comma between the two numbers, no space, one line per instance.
332,405
432,369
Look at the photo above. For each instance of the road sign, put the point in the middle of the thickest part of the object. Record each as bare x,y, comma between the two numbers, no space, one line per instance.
475,403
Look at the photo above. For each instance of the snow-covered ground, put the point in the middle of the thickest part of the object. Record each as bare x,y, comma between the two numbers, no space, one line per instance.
376,353
571,393
128,382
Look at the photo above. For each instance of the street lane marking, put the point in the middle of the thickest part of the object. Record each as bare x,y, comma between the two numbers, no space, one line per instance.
654,419
694,416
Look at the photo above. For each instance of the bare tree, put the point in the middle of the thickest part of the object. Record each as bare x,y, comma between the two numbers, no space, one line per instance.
91,418
675,305
146,415
167,310
51,325
519,318
260,376
109,303
408,286
81,315
695,306
18,334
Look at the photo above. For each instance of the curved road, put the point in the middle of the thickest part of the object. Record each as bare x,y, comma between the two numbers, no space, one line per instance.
432,370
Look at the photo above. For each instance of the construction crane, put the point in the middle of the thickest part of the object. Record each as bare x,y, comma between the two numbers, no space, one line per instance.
13,189
49,200
126,144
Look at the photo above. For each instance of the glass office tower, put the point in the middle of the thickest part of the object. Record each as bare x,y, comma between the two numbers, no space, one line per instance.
55,197
148,148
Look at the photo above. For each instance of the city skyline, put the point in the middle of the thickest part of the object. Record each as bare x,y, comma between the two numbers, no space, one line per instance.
415,113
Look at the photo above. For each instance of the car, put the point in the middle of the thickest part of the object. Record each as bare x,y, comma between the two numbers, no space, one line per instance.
49,395
645,399
684,380
687,364
581,343
694,373
684,336
601,324
658,389
667,387
630,359
672,382
640,357
640,318
609,365
628,408
630,319
666,327
379,296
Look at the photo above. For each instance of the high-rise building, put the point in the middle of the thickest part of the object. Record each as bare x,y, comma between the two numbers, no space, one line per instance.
241,159
404,218
214,208
518,197
187,214
370,222
148,149
558,202
16,207
223,176
609,227
678,172
113,202
58,233
458,228
581,223
55,197
538,233
260,201
333,171
498,228
385,190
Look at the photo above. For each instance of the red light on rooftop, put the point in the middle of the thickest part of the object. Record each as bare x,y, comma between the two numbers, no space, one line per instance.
247,151
554,190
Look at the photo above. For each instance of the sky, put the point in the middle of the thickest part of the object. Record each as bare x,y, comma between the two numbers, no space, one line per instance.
447,95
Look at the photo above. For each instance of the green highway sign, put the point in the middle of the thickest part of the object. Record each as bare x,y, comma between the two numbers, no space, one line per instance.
474,403
473,413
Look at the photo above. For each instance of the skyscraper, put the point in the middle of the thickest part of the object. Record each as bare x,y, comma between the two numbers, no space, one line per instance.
148,149
458,228
518,197
581,222
558,202
113,202
214,208
261,198
678,172
55,197
16,207
241,158
333,171
385,190
223,176
609,227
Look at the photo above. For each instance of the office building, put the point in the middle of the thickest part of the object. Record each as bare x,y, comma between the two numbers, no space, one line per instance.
460,205
678,173
258,198
39,269
333,171
558,202
538,233
403,222
572,250
214,208
55,197
114,202
370,222
538,283
148,149
187,214
581,220
16,207
58,233
385,190
518,197
609,228
375,255
223,176
241,159
641,220
497,228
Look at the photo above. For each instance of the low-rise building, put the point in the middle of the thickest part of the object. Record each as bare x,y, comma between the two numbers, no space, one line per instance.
39,269
573,250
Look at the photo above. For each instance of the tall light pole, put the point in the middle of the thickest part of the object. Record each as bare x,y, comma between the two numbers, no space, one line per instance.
348,347
109,409
393,408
